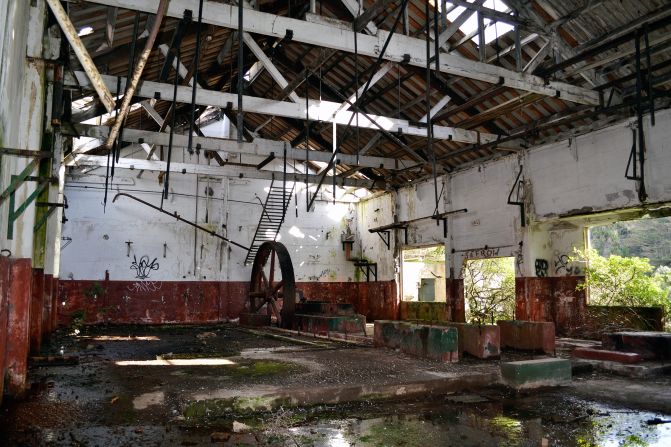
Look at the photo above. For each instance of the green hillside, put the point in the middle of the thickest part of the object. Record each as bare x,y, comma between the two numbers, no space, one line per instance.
645,238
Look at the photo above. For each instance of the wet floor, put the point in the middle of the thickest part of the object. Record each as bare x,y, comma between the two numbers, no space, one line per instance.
133,386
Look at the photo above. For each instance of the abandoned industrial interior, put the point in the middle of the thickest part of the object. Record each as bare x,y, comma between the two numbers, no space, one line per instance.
335,222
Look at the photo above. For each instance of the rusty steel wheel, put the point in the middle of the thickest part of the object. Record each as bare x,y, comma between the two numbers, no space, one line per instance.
273,285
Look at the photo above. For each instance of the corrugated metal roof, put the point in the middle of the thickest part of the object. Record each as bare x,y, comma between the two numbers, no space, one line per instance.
401,92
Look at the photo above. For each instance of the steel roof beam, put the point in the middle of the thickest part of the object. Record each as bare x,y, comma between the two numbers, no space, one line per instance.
399,49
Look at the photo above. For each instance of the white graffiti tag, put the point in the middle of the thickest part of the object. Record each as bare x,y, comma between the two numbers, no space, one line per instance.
145,286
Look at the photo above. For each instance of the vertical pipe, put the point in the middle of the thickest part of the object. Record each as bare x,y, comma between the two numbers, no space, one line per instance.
115,143
355,109
648,64
196,61
241,72
429,127
313,6
642,195
518,49
195,233
307,140
482,47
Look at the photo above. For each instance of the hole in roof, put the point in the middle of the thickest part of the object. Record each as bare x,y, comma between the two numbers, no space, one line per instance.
492,29
85,31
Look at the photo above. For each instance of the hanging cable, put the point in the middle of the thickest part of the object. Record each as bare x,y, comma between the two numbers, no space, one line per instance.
172,129
355,109
241,72
429,127
307,136
196,60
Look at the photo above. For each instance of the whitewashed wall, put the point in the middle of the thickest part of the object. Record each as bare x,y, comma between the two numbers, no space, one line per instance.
561,179
587,175
99,236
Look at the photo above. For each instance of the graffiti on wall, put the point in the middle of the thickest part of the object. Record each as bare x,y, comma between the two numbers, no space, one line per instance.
482,253
541,268
562,266
144,286
143,267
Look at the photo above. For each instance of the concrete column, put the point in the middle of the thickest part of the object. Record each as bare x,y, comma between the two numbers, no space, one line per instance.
18,325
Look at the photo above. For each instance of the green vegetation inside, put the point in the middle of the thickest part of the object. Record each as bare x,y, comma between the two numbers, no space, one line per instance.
489,290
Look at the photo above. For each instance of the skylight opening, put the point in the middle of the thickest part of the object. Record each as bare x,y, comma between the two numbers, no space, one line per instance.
85,31
492,30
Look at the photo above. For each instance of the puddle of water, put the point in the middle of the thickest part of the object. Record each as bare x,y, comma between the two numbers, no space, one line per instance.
525,422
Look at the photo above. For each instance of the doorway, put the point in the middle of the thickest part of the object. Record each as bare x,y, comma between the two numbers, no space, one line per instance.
423,274
489,289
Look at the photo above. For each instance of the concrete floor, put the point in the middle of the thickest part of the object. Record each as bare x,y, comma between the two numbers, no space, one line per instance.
197,385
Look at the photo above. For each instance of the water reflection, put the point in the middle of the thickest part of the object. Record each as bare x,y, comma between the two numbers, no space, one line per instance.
530,421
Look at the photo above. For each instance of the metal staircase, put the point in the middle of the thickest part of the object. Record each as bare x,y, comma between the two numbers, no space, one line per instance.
272,217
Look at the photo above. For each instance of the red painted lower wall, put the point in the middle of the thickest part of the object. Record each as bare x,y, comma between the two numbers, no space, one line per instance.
27,316
36,309
18,325
551,299
4,310
157,302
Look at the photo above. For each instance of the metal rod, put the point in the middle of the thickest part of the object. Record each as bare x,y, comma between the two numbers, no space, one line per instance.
307,138
181,219
648,64
24,153
116,142
642,195
429,127
401,224
137,74
172,130
196,61
518,49
131,67
241,73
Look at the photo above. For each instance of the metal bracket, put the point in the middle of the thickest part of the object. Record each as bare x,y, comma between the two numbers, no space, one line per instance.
516,186
52,207
384,235
14,214
367,268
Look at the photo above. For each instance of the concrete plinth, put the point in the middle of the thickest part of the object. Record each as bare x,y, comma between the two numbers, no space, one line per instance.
325,308
18,325
387,333
608,356
254,320
536,373
528,335
36,309
443,344
325,324
414,340
650,345
434,342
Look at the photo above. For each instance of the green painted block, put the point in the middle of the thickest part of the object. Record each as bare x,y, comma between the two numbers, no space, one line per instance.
414,339
442,344
536,373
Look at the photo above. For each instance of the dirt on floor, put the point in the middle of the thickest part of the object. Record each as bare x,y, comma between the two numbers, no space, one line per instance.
199,385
